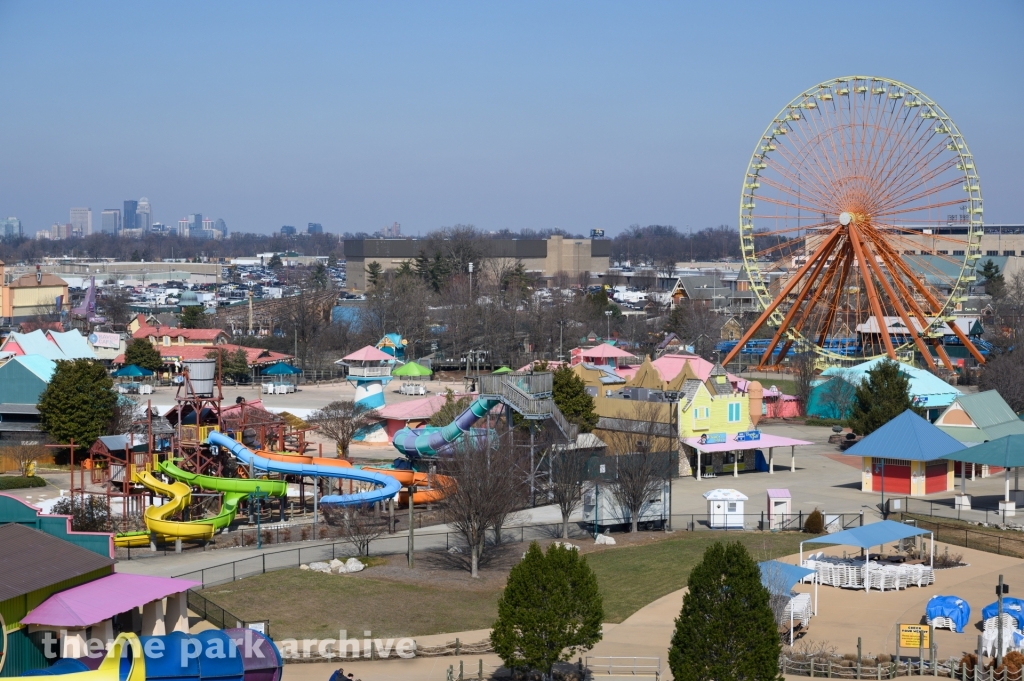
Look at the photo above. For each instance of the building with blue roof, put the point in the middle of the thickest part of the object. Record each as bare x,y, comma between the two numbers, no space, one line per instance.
23,379
928,391
905,455
52,345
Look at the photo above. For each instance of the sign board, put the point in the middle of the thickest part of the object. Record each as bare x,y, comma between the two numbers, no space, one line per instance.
914,636
261,627
597,234
714,439
748,436
105,340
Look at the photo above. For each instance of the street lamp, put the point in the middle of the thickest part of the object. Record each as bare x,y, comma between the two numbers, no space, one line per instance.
880,470
608,315
256,499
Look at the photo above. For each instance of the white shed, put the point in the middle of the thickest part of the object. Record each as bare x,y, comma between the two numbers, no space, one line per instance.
725,509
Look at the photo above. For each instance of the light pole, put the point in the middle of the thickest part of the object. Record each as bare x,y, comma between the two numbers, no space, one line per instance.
561,356
880,470
608,316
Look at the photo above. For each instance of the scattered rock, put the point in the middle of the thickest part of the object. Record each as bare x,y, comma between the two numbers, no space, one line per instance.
336,563
339,569
570,547
354,565
303,567
456,549
604,539
320,567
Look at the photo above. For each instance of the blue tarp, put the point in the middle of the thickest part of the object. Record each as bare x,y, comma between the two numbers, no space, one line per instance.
874,534
281,369
1014,607
777,576
952,607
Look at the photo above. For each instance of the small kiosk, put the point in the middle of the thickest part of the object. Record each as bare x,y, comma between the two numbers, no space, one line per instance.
725,509
780,507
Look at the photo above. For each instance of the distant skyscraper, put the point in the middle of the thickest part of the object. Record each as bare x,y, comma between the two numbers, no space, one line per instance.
60,232
183,227
110,221
392,232
81,220
130,210
287,230
315,228
144,215
11,228
221,227
195,224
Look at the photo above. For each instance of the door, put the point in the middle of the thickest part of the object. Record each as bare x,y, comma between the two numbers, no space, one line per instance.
897,477
935,478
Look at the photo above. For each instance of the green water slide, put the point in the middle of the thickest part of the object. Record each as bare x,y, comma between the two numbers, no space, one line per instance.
233,489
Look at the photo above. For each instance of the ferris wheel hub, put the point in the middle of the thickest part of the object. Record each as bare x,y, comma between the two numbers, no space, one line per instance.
845,218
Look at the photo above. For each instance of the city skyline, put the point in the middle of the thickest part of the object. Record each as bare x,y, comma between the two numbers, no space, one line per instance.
529,116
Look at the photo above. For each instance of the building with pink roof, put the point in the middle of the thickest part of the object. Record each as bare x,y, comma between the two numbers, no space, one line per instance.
369,370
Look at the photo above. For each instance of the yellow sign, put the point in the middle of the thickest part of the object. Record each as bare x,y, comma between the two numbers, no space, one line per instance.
914,636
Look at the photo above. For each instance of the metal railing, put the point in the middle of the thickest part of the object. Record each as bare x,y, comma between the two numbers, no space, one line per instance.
570,430
624,666
925,664
369,371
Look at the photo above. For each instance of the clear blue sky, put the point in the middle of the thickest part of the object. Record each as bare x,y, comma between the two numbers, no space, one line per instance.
518,114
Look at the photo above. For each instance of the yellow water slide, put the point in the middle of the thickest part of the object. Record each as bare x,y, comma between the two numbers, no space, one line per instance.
156,517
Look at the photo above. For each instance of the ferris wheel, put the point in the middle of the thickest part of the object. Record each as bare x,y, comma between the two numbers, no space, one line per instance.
860,225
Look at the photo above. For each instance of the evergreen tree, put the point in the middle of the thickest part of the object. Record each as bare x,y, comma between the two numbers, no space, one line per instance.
233,364
550,610
726,630
995,285
192,317
374,271
882,396
78,403
275,262
450,409
570,395
142,353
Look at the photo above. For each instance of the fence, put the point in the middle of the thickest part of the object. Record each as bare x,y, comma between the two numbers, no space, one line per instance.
944,508
218,616
928,665
624,666
971,538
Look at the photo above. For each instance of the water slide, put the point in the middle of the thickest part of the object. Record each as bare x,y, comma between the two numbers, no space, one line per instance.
432,440
212,655
233,489
386,485
156,517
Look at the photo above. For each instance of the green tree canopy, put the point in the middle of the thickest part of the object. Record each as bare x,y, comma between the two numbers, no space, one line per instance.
995,285
374,271
275,262
881,397
570,395
726,629
78,403
233,364
142,353
193,317
550,610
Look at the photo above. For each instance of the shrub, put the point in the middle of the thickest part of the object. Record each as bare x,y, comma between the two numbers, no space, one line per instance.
91,516
20,482
815,523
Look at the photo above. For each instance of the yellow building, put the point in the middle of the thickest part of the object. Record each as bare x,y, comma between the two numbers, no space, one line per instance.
31,295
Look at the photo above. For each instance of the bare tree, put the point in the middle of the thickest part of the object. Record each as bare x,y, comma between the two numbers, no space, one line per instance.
25,455
837,395
477,487
642,462
127,416
568,474
1005,374
802,365
359,524
341,420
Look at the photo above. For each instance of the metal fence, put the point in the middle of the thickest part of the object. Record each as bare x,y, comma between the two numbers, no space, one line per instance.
925,665
972,538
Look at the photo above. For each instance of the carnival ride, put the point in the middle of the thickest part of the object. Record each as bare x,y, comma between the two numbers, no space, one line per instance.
860,225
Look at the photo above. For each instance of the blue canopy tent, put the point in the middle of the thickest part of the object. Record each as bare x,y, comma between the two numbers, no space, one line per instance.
875,534
281,369
780,578
1006,452
132,371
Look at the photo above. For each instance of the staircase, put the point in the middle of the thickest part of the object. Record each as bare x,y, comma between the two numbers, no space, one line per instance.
570,430
530,396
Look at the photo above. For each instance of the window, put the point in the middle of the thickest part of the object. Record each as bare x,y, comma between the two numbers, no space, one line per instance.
1010,253
734,412
908,252
700,413
942,252
167,340
958,252
926,252
991,252
732,507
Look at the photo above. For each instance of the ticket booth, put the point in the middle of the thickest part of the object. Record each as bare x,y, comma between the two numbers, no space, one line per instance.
780,508
725,509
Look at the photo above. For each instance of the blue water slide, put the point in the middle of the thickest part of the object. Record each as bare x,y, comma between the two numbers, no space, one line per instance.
387,487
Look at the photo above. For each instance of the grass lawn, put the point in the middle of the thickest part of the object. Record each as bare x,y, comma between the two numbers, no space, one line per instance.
302,604
634,576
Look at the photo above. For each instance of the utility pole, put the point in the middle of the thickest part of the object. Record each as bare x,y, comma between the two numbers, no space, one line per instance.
412,493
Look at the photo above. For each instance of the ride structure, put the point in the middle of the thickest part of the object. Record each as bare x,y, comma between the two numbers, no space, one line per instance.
369,370
861,209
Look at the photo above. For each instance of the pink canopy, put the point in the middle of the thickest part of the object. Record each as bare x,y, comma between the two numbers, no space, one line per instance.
422,408
99,600
731,445
367,354
604,351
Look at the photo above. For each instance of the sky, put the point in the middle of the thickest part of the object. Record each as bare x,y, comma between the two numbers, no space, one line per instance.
576,115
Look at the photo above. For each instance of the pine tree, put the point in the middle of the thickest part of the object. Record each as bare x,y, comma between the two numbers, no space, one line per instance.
142,353
192,317
570,395
995,285
450,409
78,403
550,610
726,630
881,397
374,271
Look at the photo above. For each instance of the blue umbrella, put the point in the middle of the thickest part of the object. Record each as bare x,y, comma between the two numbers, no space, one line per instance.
132,371
281,369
